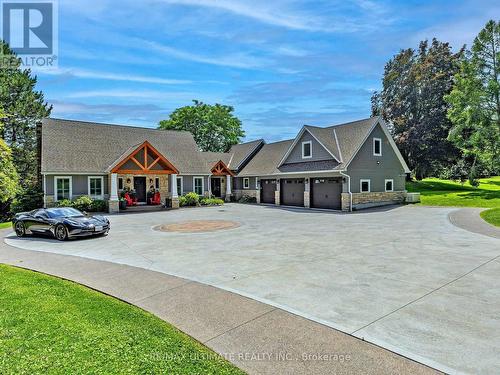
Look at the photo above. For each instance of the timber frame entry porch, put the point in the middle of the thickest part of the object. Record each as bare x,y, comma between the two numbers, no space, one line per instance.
145,164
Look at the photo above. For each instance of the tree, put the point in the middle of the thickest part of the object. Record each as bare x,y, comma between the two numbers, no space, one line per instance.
475,103
8,175
24,107
412,103
214,127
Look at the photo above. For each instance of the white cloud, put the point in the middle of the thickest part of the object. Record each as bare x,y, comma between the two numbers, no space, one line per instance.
82,73
240,60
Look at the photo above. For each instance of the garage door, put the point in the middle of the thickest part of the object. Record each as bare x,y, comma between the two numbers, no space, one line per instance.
292,192
267,189
325,193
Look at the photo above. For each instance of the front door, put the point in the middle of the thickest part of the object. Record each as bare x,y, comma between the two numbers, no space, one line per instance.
140,188
215,185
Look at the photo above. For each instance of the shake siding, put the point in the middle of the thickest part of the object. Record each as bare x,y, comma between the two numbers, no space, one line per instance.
318,151
364,165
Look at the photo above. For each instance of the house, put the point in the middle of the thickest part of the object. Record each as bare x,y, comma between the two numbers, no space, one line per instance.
347,166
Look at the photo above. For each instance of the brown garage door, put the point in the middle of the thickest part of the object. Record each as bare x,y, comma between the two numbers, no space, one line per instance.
267,189
292,191
325,193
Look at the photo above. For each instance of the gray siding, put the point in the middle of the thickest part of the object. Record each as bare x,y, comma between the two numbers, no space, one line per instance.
364,165
238,183
318,151
79,187
187,183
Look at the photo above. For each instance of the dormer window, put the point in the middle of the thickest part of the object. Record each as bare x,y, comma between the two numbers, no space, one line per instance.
377,147
307,150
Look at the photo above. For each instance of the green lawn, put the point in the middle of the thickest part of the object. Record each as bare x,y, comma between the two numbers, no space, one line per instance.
5,225
53,326
492,216
436,192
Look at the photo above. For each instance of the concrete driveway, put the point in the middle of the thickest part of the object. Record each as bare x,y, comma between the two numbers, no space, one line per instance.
404,278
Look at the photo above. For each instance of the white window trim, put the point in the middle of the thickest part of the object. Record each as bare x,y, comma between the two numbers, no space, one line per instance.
375,140
310,149
182,184
246,183
202,184
70,186
361,185
101,196
392,185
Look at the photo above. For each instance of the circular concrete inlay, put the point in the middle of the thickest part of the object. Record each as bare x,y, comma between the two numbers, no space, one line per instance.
197,226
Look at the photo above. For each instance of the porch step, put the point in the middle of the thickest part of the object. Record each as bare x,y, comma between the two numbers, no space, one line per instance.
144,208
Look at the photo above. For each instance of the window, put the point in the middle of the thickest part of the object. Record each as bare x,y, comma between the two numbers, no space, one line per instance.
364,186
157,183
246,183
96,187
198,185
389,185
307,150
179,186
377,147
257,184
120,183
62,188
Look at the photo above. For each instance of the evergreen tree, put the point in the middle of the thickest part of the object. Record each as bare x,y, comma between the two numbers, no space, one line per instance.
24,107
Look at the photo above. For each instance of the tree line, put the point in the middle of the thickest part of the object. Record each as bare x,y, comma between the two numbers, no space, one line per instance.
443,108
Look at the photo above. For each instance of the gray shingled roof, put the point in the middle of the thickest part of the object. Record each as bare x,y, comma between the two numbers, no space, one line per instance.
85,147
242,151
267,159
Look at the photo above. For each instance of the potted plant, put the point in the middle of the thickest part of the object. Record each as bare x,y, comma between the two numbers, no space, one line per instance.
123,203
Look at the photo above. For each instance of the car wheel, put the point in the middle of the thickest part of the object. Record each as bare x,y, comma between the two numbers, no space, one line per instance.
61,233
20,229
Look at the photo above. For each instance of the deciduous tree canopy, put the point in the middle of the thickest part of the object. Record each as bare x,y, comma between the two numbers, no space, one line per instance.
214,127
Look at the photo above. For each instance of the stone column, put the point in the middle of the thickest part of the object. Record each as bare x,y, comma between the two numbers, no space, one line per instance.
257,189
174,195
307,189
114,203
228,188
277,193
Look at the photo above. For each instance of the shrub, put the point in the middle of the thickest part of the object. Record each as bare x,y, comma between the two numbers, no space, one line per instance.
191,199
64,203
247,199
211,202
98,205
83,203
182,201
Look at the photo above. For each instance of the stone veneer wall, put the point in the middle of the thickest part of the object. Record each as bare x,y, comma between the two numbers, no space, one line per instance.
374,199
237,194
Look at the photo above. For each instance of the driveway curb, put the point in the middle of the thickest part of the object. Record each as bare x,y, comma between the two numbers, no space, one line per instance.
470,220
258,338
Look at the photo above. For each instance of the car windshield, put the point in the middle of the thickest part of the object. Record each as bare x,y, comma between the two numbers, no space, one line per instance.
64,212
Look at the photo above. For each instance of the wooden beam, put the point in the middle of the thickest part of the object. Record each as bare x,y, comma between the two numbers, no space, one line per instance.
153,163
137,162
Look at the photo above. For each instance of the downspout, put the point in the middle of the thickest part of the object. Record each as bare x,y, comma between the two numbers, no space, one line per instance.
349,189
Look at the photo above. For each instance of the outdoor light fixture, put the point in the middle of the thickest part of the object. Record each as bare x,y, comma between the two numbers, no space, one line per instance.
129,180
150,180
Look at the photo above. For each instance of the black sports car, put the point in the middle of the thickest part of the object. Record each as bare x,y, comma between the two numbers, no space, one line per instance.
61,222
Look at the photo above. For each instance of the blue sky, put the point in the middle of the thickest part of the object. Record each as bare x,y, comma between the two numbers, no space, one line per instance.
281,64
